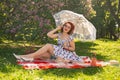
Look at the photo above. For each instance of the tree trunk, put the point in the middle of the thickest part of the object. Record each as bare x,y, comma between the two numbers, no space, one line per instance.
112,33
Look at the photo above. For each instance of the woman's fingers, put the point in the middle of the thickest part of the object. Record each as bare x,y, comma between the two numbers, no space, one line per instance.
59,27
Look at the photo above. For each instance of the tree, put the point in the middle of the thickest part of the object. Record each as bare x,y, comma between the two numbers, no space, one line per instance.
114,8
105,19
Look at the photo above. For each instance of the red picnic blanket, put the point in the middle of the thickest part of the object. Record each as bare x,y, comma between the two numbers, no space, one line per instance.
47,64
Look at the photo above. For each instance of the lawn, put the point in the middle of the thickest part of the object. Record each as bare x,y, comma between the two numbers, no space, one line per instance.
105,50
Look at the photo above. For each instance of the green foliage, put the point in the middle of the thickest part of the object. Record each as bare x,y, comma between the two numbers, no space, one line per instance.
31,19
27,20
107,12
105,50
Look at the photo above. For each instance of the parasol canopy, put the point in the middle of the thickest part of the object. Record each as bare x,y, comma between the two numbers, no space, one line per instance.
84,30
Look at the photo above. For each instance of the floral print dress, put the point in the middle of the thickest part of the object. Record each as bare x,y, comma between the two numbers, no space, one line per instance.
59,51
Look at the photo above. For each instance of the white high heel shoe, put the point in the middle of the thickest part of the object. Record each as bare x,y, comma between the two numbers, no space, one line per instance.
27,59
16,56
22,58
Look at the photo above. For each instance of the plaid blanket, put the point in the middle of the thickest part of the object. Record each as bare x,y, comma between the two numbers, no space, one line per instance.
49,64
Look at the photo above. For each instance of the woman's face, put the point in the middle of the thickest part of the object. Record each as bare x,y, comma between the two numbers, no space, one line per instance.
66,28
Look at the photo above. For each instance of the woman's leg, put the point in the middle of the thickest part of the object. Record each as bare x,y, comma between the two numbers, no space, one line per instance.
45,56
45,50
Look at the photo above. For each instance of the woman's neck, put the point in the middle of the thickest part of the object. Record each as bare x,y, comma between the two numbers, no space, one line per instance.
64,34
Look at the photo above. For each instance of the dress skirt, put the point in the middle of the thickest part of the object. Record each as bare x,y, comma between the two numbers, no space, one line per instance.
69,55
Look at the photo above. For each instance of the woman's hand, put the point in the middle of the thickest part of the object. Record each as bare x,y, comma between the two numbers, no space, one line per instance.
59,28
65,46
71,47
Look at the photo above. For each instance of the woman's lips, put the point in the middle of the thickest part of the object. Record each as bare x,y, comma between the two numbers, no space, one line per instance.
65,29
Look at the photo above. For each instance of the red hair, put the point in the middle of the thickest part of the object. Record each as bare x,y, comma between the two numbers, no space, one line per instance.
72,27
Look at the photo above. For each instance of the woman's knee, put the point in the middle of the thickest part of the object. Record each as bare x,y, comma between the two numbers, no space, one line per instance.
50,47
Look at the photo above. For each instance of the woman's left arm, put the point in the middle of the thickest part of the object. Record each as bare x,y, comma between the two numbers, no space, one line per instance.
72,46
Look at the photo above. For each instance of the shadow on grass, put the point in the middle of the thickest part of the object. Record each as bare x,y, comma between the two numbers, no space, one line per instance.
7,60
73,72
87,49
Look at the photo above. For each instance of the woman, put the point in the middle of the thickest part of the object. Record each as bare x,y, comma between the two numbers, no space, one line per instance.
64,50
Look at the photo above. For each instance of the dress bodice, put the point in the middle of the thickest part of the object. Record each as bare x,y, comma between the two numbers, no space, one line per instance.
62,41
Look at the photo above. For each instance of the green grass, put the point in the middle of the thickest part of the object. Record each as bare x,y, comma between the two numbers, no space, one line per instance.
104,49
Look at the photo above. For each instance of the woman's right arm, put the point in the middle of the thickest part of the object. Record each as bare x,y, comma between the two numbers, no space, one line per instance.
52,33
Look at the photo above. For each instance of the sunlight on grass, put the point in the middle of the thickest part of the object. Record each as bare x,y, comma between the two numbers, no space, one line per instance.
104,49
